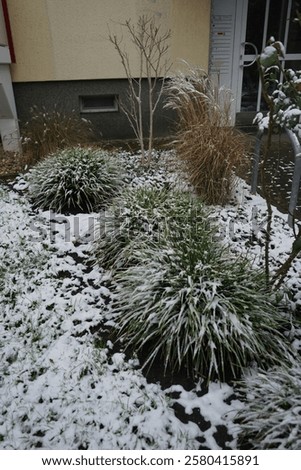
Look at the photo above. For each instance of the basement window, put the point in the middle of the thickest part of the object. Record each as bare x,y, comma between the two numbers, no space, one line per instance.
98,103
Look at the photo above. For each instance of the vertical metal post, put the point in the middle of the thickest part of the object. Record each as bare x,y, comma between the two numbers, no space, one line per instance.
296,175
256,159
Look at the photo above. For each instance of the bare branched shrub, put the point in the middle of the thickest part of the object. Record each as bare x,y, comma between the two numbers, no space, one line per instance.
209,149
152,46
48,131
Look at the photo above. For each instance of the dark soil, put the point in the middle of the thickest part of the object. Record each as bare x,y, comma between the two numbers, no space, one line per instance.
13,164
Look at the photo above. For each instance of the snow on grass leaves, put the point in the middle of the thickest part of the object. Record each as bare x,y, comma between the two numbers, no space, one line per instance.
74,180
188,304
271,417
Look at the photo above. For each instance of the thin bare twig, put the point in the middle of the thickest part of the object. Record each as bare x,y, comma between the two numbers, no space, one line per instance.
152,46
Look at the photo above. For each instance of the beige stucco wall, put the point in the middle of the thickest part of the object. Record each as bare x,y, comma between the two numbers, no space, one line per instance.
191,32
67,39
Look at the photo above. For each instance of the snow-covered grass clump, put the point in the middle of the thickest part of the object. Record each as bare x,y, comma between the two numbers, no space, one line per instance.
144,214
190,304
271,416
74,180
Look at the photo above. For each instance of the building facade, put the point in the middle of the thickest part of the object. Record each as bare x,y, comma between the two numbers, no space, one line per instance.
63,57
56,53
9,127
240,29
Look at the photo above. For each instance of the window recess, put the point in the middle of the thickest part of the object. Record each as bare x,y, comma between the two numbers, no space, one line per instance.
98,103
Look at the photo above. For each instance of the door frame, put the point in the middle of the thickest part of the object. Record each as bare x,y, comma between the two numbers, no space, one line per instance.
226,46
239,10
245,58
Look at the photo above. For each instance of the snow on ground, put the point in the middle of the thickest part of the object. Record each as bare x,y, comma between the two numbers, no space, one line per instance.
63,385
242,226
59,388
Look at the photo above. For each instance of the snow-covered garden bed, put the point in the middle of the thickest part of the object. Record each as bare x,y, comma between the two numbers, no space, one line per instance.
64,384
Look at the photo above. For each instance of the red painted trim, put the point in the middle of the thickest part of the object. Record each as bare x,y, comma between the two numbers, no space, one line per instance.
8,31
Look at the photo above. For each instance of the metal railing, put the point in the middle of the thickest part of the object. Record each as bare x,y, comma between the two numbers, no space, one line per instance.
296,174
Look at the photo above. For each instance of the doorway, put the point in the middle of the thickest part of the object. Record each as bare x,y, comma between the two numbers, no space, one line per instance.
252,23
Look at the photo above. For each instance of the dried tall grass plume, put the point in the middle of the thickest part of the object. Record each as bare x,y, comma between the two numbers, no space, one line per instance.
209,149
49,131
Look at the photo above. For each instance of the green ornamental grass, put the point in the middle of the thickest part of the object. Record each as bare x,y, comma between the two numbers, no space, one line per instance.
145,214
74,180
187,304
271,417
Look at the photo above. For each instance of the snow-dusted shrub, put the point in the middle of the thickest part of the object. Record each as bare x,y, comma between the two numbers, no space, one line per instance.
188,304
47,131
209,149
142,215
281,90
271,416
74,180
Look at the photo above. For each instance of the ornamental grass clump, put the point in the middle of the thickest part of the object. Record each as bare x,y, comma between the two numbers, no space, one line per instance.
74,180
142,215
187,304
48,131
270,418
209,149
